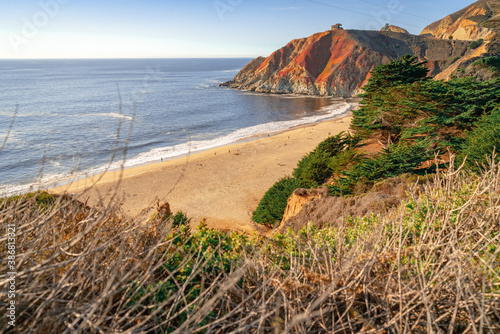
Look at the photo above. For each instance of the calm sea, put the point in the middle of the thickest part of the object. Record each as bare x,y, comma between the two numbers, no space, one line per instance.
61,119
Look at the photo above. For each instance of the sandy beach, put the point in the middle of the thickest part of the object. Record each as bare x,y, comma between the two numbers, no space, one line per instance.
222,185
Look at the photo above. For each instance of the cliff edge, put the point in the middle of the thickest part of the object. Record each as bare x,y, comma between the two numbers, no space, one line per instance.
474,22
338,62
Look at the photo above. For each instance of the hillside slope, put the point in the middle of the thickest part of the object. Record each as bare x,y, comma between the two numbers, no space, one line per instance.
338,62
477,22
471,23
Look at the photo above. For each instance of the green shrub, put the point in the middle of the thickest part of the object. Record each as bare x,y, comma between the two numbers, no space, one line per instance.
476,44
273,204
492,63
180,219
315,168
342,160
403,71
481,142
437,109
197,260
42,198
401,106
391,162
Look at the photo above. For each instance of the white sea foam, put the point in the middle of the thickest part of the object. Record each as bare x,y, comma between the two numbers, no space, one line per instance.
158,154
113,114
46,182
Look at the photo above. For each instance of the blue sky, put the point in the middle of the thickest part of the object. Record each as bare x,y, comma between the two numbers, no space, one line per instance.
210,28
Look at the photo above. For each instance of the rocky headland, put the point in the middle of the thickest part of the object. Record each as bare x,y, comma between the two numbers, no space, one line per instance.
338,62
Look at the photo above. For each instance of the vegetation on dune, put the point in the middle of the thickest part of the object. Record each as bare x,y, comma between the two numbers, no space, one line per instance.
331,156
415,118
482,141
425,107
316,167
429,265
393,161
272,206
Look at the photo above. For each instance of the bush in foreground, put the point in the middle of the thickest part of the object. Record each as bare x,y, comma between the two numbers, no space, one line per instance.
391,162
481,142
272,206
430,265
332,155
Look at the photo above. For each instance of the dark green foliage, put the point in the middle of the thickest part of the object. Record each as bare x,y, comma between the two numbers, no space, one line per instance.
273,204
345,158
476,44
482,142
391,162
403,71
42,198
437,109
197,260
492,63
416,117
180,219
314,169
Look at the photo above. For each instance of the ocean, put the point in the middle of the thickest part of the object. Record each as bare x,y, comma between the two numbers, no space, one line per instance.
65,119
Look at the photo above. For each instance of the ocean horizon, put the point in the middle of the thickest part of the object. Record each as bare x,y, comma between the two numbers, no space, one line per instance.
64,119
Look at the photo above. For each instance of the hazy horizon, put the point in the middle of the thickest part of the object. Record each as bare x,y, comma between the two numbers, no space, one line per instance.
133,29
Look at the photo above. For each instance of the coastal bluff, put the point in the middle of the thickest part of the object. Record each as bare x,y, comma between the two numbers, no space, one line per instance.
337,62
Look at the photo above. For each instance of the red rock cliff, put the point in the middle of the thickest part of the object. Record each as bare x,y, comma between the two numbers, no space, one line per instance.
338,62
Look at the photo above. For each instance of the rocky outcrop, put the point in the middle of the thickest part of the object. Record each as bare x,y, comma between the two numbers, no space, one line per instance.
453,69
329,210
478,22
299,198
481,72
394,29
338,62
470,23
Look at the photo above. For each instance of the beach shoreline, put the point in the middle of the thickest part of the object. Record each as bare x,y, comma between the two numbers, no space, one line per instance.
220,185
167,153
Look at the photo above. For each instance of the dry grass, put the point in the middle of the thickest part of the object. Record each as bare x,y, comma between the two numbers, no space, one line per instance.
430,266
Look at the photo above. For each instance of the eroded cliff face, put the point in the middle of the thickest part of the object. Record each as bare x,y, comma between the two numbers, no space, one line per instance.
470,23
479,21
299,198
338,62
463,62
306,206
328,63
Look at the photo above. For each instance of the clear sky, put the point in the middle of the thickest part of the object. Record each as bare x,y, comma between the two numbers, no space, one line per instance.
194,28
